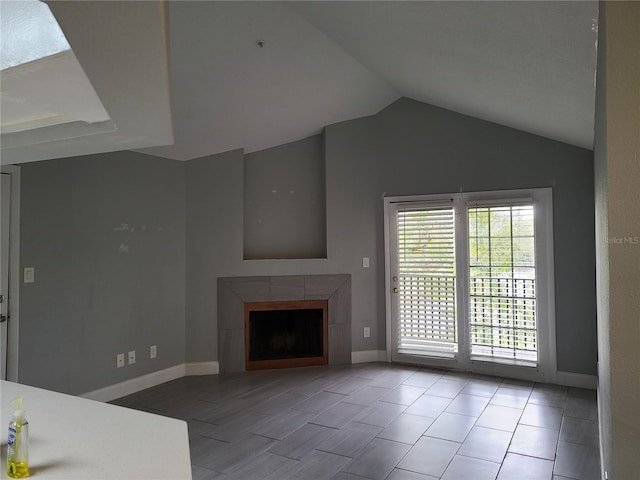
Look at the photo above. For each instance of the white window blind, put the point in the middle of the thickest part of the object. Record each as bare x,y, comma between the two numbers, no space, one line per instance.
427,281
502,283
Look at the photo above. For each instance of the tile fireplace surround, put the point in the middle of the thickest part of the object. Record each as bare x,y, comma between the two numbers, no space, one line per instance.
234,292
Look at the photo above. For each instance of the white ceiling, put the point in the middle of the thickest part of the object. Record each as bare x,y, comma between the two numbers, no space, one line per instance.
528,65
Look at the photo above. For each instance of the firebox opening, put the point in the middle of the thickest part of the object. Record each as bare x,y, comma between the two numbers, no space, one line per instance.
279,334
286,334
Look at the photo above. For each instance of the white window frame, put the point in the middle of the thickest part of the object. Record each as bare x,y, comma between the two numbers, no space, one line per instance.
542,198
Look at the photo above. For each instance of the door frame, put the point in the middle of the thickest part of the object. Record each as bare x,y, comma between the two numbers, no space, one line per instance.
13,324
457,360
547,369
387,262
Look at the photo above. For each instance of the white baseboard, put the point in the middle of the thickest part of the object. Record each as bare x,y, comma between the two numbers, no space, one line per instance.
134,385
202,368
578,380
137,384
369,356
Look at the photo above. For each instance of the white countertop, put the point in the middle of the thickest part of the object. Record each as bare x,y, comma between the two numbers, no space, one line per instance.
74,438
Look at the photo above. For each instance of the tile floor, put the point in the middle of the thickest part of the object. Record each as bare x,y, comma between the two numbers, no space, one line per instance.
380,421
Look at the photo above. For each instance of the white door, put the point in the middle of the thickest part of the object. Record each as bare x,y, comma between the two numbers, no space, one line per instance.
469,279
422,262
5,200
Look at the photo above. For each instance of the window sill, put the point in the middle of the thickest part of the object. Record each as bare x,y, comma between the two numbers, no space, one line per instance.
505,361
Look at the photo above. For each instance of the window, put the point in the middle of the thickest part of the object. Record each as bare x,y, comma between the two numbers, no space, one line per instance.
502,282
470,281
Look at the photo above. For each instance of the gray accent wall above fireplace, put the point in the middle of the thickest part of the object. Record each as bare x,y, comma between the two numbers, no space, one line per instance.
234,292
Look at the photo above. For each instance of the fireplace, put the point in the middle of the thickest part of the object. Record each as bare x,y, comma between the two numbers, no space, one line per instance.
235,293
285,334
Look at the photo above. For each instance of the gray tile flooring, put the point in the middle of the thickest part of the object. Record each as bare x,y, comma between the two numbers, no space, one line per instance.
379,421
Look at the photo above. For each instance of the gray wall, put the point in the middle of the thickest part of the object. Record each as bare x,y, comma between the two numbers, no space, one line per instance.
214,244
284,204
101,288
602,247
91,301
618,243
425,149
352,197
214,192
408,148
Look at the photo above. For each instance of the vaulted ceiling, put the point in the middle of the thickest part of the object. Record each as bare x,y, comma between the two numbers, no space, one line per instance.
186,79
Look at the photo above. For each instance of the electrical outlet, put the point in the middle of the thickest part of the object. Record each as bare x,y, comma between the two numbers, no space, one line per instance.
153,351
132,357
120,360
367,332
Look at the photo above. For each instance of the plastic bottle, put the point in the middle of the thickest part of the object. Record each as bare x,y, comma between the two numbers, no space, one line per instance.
18,445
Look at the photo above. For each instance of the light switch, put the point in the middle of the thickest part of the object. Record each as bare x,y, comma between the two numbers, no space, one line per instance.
365,262
29,274
367,332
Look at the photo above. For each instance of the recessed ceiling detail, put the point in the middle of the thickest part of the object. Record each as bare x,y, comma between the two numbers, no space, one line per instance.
46,95
28,32
53,90
109,93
